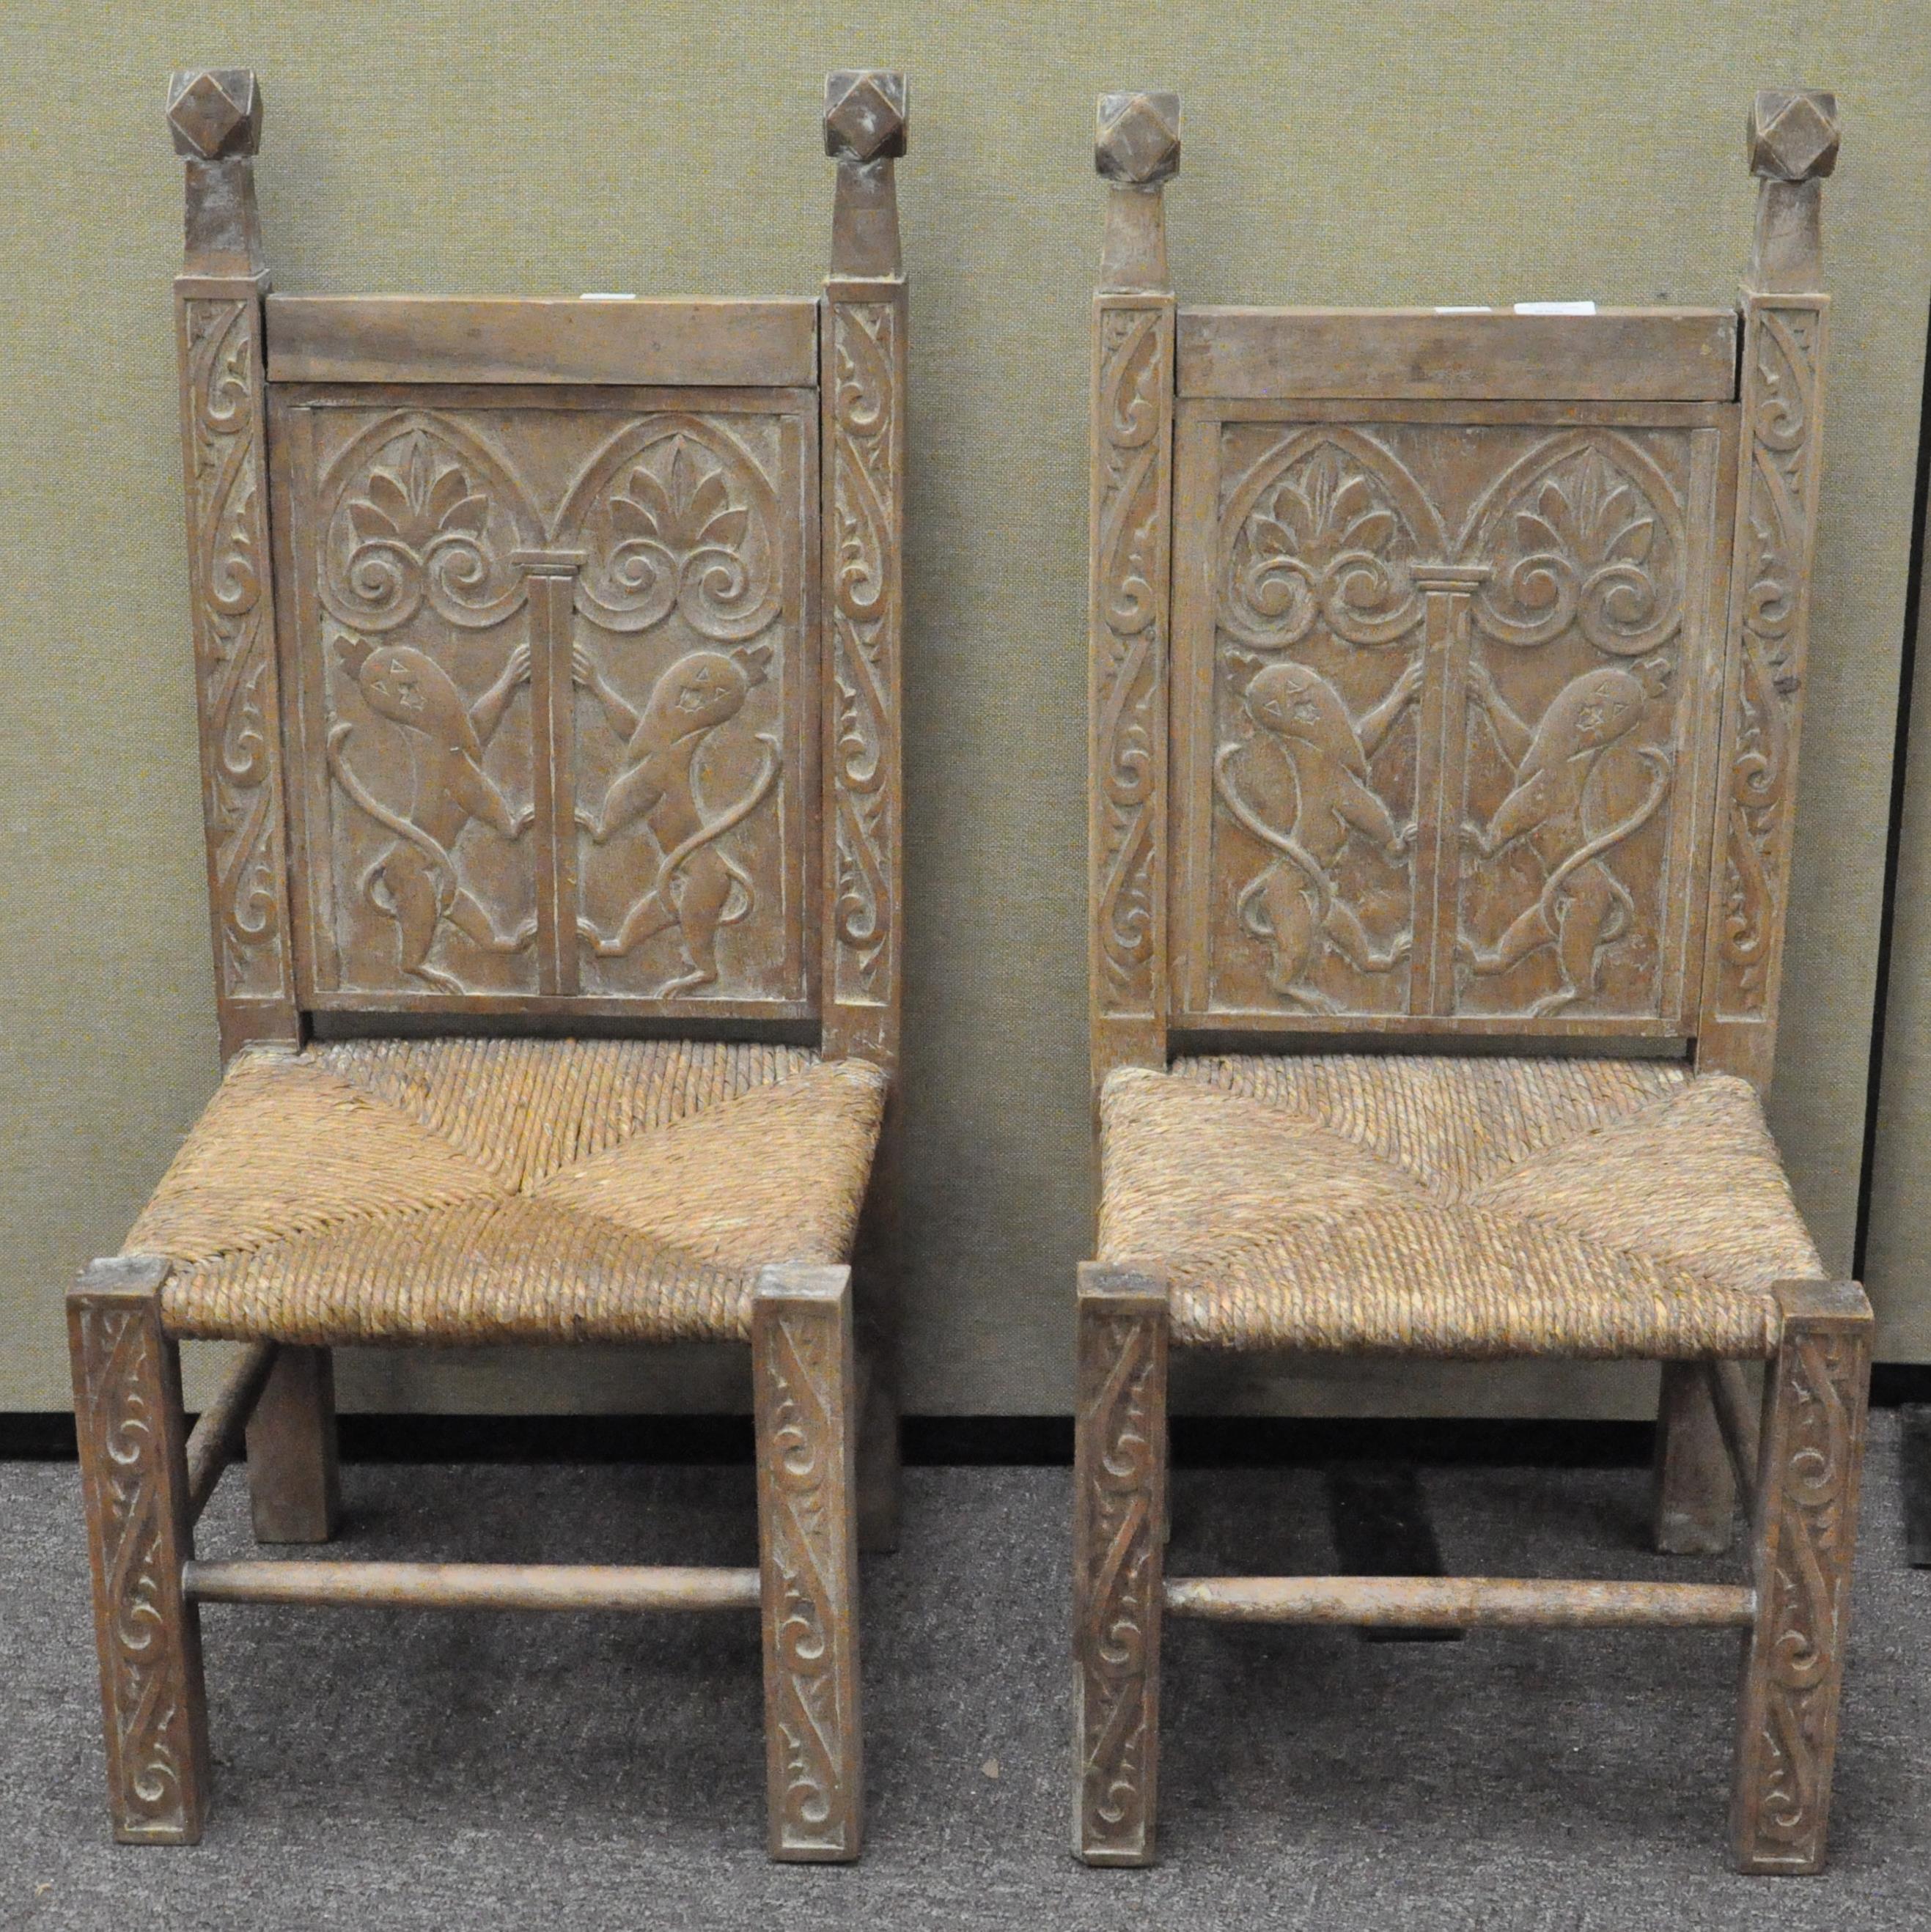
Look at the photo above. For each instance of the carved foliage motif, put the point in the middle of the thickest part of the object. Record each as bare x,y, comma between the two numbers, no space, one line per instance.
865,597
1120,1581
812,1681
1561,560
1808,1592
1773,558
1322,534
120,1422
233,648
1133,430
1584,541
437,744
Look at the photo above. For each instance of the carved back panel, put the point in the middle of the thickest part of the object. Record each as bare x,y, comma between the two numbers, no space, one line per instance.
551,666
1447,665
548,650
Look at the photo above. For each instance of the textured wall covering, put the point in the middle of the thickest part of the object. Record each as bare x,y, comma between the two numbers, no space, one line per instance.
1369,154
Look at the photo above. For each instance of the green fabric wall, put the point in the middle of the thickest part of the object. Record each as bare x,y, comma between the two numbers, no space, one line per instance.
1420,153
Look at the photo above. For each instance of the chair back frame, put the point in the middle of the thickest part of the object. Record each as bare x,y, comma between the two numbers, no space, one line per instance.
1446,666
548,650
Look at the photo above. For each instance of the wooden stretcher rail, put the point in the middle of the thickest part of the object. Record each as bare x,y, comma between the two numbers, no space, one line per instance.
1653,355
1461,1603
1730,1393
671,343
473,1586
217,1435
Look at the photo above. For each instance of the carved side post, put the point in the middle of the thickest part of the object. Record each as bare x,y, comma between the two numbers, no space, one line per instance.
1793,145
216,119
1809,1463
133,1473
1137,151
801,1360
1119,1519
863,346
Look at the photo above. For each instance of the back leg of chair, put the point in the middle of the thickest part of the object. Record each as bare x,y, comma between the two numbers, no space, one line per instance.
133,1440
1806,1517
1695,1493
294,1485
1119,1535
804,1397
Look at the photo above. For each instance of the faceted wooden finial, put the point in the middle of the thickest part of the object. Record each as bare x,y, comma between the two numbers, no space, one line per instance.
1793,133
214,113
864,115
1138,141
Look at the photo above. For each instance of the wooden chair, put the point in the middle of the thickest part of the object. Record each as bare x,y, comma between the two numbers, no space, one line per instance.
1446,669
548,655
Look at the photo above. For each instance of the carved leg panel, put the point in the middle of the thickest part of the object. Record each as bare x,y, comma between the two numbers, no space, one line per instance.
1695,1491
803,1392
293,1482
133,1439
1119,1516
1811,1459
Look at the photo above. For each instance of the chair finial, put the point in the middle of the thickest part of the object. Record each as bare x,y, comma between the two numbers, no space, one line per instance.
214,113
864,115
1137,141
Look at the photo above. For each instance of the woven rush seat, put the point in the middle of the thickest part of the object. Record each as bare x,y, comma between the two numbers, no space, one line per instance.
1465,1207
483,1190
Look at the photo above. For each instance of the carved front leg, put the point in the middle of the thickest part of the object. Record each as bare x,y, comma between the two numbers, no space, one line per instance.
1119,1513
133,1473
803,1390
1809,1466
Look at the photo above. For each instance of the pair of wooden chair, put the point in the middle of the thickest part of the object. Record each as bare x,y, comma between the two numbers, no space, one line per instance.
548,655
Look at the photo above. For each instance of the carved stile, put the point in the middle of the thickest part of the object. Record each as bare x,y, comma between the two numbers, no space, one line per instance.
1794,142
801,1341
215,119
1137,150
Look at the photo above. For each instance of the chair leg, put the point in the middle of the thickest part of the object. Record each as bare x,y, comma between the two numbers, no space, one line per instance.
293,1482
877,1278
133,1472
803,1399
1810,1462
1695,1491
1119,1517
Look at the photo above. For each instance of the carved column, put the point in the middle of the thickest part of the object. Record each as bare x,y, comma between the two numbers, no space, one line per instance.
1794,140
801,1365
1137,151
215,118
1119,1517
862,347
134,1474
1809,1466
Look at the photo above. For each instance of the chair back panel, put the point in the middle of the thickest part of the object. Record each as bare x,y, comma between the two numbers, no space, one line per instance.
1445,713
550,666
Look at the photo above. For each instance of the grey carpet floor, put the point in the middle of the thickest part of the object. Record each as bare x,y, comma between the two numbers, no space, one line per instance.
384,1769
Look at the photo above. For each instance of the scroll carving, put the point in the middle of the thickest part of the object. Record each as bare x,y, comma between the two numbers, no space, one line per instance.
1119,1582
866,620
1808,1589
811,1684
1773,560
1130,428
241,790
152,1747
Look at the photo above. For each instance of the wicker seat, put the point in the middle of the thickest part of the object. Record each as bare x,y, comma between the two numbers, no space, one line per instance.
1447,1207
508,1190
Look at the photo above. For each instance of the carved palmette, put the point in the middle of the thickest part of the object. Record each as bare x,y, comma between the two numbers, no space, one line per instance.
551,703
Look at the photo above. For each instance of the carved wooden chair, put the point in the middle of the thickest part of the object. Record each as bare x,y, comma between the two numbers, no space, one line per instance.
1445,676
548,667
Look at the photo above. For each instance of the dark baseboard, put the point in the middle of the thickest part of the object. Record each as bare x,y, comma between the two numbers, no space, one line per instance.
1204,1441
